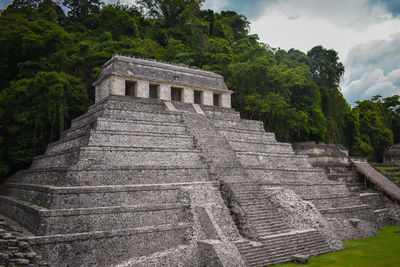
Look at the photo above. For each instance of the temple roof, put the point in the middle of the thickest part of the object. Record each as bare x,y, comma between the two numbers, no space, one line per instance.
160,72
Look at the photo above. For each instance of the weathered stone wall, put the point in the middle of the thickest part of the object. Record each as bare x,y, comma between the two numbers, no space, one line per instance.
14,248
303,214
120,69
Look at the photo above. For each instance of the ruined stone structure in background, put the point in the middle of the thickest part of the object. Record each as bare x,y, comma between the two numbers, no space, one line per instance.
356,207
162,172
392,155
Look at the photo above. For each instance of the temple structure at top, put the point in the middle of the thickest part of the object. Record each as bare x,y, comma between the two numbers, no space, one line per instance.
136,77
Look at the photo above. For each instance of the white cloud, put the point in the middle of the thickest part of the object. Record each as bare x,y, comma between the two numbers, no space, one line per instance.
373,83
383,54
334,24
216,5
372,68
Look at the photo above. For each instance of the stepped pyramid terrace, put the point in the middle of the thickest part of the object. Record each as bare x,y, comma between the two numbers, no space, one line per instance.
161,171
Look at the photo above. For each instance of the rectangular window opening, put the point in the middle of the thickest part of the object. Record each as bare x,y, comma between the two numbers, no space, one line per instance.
176,94
197,97
154,91
130,88
216,99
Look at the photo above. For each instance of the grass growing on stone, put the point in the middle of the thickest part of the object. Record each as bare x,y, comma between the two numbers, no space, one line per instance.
381,250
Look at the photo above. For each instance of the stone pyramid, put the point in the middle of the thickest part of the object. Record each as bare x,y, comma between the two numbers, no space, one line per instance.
162,172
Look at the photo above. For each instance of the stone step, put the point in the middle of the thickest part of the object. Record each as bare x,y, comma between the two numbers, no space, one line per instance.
140,126
120,114
108,248
280,248
375,200
362,212
279,161
265,219
43,221
286,174
334,201
267,230
53,197
147,140
279,258
107,124
91,157
263,222
247,125
68,143
126,175
261,146
125,114
220,113
233,134
320,189
123,139
287,250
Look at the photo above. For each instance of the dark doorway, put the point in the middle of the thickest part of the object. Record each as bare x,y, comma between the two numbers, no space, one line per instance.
197,97
176,94
130,88
154,89
216,100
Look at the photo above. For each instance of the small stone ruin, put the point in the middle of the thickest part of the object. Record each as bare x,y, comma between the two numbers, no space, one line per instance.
162,172
392,155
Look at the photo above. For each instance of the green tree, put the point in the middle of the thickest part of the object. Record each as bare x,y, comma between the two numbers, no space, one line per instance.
80,9
35,111
167,11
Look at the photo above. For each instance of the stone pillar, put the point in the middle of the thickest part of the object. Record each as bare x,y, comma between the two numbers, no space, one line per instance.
102,90
188,95
207,98
226,100
117,85
142,89
165,92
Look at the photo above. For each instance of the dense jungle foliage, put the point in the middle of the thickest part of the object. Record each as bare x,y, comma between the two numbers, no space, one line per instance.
51,51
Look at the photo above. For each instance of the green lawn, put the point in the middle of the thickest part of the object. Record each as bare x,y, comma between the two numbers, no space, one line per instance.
382,250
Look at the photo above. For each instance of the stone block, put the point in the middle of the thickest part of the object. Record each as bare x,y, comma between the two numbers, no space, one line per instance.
207,98
220,254
116,85
226,100
142,89
165,92
188,95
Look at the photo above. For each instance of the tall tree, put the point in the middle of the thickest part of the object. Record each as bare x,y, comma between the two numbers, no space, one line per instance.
79,9
167,11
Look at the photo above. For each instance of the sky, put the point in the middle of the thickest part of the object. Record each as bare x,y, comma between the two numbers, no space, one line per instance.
365,33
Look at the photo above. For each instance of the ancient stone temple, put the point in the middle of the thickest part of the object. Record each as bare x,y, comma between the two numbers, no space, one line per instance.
162,172
392,155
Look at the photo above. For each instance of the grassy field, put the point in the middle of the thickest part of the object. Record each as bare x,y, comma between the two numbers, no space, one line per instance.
382,250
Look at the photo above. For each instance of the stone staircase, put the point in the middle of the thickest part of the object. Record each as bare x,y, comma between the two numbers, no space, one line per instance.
276,249
238,143
261,214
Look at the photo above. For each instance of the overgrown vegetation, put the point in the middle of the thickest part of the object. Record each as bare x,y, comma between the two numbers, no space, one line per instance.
378,251
49,59
391,172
